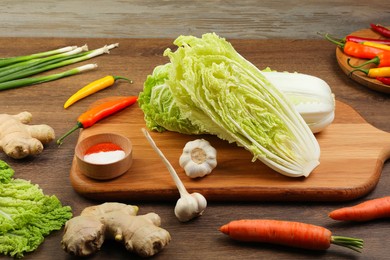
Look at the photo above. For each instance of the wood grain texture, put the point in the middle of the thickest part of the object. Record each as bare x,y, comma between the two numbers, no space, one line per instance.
167,19
236,178
135,58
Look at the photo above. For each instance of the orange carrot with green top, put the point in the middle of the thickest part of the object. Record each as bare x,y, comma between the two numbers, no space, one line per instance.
368,210
289,233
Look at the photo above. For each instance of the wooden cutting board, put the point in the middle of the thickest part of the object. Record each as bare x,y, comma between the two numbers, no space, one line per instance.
352,156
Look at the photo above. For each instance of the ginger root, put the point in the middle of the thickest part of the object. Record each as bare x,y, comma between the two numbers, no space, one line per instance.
85,234
19,140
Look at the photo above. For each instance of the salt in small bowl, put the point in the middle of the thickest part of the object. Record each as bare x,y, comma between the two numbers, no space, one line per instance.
109,170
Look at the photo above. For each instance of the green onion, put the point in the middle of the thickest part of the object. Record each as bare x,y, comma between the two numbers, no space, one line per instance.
11,60
57,63
16,67
36,80
15,71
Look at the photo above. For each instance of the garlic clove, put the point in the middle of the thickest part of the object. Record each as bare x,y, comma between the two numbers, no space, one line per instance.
195,170
201,202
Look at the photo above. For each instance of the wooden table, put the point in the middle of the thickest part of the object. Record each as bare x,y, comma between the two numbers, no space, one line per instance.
198,239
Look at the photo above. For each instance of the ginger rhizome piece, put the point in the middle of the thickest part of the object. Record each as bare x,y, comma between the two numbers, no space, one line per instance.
19,140
85,234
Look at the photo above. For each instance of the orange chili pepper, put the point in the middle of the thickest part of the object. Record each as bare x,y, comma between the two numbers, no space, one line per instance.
360,51
356,50
381,60
90,117
93,87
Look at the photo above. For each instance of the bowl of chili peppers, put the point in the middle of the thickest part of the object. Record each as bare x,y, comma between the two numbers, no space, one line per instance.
364,56
104,156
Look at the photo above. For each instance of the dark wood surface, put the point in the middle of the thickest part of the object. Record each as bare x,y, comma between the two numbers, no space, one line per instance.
198,239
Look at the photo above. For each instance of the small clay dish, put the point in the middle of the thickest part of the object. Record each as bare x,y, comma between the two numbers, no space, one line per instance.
104,171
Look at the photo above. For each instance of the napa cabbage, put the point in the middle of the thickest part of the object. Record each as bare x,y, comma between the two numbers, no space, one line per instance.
208,87
26,214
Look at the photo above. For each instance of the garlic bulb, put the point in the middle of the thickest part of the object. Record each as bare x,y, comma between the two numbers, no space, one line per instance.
190,205
198,159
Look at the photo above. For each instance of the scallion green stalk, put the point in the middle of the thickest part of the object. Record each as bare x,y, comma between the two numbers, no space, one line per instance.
36,80
11,60
49,65
16,67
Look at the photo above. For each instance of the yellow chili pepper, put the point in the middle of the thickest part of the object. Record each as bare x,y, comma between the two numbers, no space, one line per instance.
377,45
93,87
374,72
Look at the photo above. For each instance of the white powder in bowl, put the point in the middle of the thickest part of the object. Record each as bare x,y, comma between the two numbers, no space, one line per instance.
104,157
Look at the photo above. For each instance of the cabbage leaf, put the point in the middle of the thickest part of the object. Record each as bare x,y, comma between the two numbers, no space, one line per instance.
161,111
208,87
26,214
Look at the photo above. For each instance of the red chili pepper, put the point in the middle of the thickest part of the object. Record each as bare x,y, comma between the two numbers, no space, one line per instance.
90,117
381,60
352,38
381,30
384,80
356,50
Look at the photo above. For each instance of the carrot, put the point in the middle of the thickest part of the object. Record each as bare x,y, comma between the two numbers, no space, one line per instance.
368,210
294,234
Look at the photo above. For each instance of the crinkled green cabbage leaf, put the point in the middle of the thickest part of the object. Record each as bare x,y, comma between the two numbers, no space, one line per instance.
26,214
161,111
208,87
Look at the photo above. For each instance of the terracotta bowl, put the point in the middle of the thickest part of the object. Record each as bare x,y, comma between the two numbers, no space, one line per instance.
109,170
